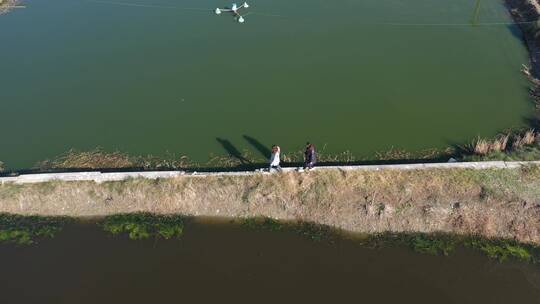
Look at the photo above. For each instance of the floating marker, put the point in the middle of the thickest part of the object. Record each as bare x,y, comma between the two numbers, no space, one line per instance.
234,10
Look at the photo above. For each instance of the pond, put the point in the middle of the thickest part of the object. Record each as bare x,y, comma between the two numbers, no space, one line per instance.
220,262
158,76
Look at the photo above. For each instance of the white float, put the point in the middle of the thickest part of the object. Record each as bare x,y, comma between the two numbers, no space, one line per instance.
234,9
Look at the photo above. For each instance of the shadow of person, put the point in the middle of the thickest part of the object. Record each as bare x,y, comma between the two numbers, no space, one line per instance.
232,150
264,150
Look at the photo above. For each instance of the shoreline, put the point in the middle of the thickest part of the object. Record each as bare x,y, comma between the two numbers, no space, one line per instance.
492,203
7,5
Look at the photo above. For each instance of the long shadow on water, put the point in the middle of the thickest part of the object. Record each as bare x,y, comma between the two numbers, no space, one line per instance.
264,150
232,150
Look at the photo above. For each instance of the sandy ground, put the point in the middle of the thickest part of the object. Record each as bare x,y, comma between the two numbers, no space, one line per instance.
493,203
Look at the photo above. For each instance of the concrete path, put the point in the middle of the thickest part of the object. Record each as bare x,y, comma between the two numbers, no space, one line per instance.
100,177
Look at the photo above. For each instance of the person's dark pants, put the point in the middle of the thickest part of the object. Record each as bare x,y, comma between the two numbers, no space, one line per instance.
278,168
309,165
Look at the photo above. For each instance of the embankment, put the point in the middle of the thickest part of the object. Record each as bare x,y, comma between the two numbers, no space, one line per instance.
7,5
499,202
526,13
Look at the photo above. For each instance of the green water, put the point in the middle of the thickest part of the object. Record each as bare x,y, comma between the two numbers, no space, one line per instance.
363,76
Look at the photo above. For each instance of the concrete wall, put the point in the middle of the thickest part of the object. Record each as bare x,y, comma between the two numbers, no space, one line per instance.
100,177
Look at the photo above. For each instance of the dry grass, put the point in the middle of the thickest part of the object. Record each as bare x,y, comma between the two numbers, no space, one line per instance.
89,160
101,159
528,138
501,143
491,203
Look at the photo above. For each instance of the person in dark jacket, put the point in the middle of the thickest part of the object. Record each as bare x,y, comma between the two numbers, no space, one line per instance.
310,156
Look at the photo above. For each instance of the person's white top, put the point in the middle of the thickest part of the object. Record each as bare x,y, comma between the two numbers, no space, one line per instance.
274,159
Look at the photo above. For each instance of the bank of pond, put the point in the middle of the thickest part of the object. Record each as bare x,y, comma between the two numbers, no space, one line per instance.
30,230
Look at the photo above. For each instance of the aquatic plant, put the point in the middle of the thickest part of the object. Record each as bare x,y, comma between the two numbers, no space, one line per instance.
503,249
312,231
1,166
262,223
25,230
145,225
433,244
445,244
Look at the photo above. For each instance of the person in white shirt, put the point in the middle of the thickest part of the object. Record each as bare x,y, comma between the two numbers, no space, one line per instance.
274,159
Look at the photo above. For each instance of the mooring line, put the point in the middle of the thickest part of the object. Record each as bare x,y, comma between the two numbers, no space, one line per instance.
365,24
147,5
452,24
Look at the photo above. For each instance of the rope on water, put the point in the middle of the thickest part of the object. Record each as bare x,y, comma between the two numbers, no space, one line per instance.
452,24
365,24
147,5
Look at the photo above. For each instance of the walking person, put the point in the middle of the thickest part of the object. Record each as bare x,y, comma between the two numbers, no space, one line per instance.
310,156
275,159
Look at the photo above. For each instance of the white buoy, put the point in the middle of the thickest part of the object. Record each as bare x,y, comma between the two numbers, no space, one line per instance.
246,5
218,11
234,7
241,19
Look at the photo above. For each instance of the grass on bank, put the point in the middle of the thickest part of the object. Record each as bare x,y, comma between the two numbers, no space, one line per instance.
520,146
25,230
509,146
98,158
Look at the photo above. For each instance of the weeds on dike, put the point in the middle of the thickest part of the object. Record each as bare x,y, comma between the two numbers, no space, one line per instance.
145,225
25,230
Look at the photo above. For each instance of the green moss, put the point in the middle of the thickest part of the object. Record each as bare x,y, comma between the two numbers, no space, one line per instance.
145,225
25,230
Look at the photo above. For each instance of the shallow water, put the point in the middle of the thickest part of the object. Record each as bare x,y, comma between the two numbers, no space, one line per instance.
170,75
225,263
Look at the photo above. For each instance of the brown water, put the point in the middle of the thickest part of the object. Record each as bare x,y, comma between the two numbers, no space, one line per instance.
223,264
